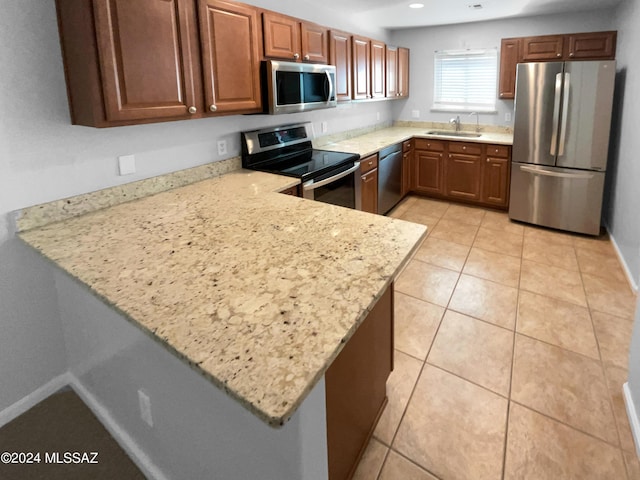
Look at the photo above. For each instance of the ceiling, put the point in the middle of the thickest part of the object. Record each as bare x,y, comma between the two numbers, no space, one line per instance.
397,14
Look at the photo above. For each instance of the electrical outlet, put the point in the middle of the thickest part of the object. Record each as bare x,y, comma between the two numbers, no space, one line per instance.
222,147
127,164
145,408
507,117
415,113
324,127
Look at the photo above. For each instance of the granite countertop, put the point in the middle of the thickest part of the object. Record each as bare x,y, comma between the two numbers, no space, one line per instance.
373,142
256,290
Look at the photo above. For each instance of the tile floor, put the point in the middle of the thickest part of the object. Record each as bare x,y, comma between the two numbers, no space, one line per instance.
511,351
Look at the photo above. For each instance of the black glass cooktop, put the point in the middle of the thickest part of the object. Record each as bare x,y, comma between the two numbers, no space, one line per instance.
309,164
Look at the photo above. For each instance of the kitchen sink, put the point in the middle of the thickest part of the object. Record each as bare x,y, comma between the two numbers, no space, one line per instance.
449,133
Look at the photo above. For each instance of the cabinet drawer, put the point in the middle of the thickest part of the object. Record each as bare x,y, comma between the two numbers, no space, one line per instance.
407,145
368,163
428,144
468,148
500,151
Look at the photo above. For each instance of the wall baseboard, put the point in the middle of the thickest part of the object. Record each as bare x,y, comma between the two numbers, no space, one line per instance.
139,457
634,421
35,397
623,262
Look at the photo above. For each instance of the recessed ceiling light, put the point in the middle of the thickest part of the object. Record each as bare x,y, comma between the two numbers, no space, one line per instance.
416,5
475,6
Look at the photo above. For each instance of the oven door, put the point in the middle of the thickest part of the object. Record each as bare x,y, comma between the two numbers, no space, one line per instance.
341,187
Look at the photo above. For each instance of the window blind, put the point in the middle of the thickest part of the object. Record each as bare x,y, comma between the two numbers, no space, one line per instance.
465,80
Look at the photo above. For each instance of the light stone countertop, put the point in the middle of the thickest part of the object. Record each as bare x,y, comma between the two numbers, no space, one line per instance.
373,142
256,290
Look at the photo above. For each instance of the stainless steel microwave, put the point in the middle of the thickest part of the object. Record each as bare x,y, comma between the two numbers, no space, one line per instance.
297,87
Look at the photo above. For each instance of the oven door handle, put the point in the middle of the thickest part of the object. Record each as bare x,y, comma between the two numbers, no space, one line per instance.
311,185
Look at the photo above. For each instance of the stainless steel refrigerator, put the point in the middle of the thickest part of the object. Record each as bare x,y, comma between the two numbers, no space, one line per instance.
560,143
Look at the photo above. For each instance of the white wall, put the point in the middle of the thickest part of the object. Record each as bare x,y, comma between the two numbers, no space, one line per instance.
43,158
423,42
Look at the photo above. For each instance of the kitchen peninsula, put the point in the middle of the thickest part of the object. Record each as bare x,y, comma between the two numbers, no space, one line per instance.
257,291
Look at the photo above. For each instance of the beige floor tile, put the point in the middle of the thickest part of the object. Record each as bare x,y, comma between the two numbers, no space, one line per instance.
614,335
371,461
539,448
556,255
633,465
548,235
554,321
610,297
453,428
443,253
396,467
416,323
553,282
564,385
600,244
427,282
417,217
462,214
486,300
456,232
499,242
500,221
475,350
616,377
401,207
428,206
493,266
399,387
600,264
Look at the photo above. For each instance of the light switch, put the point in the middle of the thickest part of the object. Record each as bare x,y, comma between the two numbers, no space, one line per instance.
127,164
415,113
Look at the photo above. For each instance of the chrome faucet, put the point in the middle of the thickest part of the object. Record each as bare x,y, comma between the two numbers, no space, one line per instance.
477,120
456,123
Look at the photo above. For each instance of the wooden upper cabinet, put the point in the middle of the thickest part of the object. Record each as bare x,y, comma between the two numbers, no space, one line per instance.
545,47
592,46
378,69
340,56
147,56
281,36
314,43
509,58
230,35
289,38
403,72
392,72
361,67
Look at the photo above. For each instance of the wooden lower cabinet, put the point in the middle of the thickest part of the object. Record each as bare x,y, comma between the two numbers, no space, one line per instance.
369,191
356,391
463,171
495,181
407,167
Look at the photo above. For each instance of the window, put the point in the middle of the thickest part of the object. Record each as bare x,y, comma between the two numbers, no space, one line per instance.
465,80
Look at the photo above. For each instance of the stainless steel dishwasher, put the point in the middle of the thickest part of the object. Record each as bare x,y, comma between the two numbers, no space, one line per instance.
389,177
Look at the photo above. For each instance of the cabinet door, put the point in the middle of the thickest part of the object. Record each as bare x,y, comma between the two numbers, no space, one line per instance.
392,72
463,174
148,53
361,67
592,46
545,47
378,69
403,72
429,172
340,56
509,58
314,43
495,181
281,36
229,33
369,190
407,172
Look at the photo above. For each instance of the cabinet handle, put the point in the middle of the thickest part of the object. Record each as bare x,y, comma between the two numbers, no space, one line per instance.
370,163
571,54
192,110
213,108
488,160
296,56
558,54
429,145
306,57
464,148
440,155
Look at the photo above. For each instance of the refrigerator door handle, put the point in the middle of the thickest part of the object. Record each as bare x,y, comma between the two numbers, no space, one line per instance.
556,113
549,173
565,113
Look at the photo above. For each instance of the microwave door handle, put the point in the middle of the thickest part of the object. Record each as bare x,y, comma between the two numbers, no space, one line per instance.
330,86
311,185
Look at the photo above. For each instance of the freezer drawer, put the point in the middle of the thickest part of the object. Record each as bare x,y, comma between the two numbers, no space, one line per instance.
560,198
